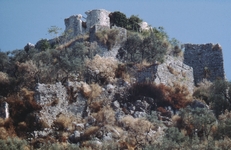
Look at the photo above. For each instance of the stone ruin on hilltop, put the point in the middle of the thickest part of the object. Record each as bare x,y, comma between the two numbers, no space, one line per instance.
205,59
76,26
200,62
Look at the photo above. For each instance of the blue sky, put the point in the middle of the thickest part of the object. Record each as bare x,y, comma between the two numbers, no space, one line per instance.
189,21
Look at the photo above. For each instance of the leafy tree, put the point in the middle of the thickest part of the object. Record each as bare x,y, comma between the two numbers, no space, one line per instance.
160,33
197,122
54,31
18,55
42,45
151,48
175,47
224,126
133,23
220,98
4,61
132,47
119,19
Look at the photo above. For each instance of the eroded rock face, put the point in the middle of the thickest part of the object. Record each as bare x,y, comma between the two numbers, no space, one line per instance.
55,99
170,72
175,71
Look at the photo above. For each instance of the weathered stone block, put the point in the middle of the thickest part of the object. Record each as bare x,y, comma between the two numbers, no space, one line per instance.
170,72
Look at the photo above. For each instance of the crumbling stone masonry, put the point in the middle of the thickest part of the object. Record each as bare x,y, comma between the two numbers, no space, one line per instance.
206,61
97,17
75,26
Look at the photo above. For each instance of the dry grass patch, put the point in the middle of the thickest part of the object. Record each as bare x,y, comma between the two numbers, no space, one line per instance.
143,64
203,91
64,122
95,90
72,41
89,132
137,131
4,77
108,37
102,68
105,115
3,133
86,90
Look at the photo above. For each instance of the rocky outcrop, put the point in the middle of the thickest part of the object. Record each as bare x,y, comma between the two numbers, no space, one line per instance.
170,72
55,99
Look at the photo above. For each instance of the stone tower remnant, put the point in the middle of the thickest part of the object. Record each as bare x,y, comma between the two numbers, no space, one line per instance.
98,17
206,60
74,25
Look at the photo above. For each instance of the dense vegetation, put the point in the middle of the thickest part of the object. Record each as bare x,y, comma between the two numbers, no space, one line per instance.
188,127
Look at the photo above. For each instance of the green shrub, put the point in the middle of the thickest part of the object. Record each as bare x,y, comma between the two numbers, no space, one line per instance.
13,144
220,97
224,126
42,45
119,19
133,23
57,146
197,122
150,48
4,61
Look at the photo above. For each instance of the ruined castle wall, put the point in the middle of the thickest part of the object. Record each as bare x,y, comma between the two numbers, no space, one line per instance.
97,17
206,60
74,25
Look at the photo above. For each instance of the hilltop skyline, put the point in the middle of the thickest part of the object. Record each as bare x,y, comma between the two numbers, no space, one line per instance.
196,22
